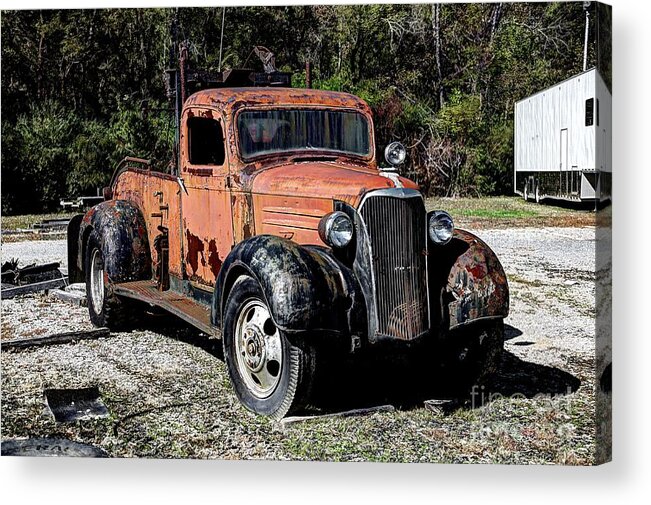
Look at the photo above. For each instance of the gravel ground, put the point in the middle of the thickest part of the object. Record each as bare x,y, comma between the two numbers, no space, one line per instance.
168,393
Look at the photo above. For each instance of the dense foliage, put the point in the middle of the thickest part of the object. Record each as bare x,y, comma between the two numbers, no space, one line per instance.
441,78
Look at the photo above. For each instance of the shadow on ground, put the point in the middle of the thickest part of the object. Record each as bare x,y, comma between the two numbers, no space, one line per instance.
374,383
392,379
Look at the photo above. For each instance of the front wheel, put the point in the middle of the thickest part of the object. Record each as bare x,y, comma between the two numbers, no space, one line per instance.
270,375
473,354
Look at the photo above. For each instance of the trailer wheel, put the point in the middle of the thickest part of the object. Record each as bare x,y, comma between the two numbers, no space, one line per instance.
271,376
105,308
526,192
537,193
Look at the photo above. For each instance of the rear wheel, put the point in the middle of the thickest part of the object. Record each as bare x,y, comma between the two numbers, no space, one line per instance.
537,193
270,375
526,192
105,308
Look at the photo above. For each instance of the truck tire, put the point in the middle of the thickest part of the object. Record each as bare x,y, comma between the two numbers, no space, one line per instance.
525,193
474,354
270,375
537,193
105,308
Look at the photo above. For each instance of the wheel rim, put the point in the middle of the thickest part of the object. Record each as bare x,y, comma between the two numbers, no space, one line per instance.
258,348
97,281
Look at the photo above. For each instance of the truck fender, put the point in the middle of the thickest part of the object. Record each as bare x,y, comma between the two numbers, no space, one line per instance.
474,284
305,287
123,237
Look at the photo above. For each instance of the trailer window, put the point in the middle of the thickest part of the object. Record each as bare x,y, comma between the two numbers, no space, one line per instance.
205,141
589,112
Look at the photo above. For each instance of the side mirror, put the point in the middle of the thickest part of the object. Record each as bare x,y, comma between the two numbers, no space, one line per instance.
395,154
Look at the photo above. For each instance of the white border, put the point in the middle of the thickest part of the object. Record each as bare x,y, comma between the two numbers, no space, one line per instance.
26,480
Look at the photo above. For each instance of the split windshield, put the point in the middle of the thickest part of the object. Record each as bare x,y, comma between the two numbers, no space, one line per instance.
264,132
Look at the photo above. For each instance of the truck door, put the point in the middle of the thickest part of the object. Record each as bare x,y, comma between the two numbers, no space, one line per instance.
206,217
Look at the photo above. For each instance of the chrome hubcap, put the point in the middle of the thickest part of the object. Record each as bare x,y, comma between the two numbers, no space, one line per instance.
258,348
97,281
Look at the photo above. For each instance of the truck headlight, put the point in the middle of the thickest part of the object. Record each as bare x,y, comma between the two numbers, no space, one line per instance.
336,229
441,227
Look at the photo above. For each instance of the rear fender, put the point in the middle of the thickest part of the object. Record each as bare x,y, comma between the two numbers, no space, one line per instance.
75,271
123,236
305,287
471,280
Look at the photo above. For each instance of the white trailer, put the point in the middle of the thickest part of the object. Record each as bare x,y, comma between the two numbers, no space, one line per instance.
563,139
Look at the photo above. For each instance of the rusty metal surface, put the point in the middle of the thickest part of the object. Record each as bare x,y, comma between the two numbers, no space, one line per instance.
477,283
228,100
182,306
258,216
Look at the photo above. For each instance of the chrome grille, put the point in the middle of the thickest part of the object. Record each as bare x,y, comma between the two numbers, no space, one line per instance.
397,235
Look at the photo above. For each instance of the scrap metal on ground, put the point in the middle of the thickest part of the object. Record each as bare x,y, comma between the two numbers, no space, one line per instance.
31,278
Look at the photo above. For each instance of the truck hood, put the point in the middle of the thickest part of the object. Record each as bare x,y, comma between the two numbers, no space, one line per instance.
329,180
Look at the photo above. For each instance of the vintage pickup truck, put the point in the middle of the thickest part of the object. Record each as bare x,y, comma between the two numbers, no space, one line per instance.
277,233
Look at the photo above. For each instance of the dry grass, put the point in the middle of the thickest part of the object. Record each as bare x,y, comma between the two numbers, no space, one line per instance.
169,397
511,212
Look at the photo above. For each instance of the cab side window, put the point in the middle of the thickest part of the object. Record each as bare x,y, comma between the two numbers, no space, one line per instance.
205,141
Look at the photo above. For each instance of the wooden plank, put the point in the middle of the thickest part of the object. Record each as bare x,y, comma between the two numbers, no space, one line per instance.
33,288
348,413
74,297
55,339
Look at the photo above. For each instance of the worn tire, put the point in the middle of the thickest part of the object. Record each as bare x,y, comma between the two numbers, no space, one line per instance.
474,354
277,395
104,307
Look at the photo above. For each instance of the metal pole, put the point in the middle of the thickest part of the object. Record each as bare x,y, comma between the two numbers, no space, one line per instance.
308,75
585,44
221,39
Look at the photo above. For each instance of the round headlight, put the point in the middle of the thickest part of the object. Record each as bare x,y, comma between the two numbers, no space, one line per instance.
336,229
441,227
395,153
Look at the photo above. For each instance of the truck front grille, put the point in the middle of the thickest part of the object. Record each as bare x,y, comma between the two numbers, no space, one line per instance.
397,235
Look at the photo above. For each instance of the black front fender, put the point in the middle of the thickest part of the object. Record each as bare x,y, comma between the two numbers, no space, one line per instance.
305,287
470,280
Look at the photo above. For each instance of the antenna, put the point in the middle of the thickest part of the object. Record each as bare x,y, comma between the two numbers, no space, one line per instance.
221,39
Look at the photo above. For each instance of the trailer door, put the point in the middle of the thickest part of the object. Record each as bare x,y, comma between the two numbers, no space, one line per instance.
563,164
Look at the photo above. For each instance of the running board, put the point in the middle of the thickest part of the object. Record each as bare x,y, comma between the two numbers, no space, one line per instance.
188,309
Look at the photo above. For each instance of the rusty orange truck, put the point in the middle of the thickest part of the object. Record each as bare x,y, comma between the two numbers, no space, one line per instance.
275,231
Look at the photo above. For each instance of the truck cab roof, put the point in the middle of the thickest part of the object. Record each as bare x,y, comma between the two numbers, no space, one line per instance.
228,100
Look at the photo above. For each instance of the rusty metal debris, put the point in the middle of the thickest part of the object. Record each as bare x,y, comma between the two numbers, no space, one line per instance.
69,405
30,279
46,227
50,447
74,294
348,413
80,203
54,339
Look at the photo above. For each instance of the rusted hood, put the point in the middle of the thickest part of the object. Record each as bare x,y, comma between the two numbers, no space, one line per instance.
324,180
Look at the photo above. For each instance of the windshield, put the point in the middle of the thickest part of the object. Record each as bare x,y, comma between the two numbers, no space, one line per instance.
275,131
